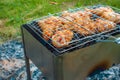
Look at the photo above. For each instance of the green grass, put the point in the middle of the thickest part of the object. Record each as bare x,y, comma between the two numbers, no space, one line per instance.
14,13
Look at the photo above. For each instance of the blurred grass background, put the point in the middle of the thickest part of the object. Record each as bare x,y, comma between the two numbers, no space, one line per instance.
14,13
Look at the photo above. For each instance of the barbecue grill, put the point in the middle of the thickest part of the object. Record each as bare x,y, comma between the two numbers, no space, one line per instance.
82,57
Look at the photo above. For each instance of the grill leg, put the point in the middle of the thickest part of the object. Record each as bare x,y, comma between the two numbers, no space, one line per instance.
27,68
26,58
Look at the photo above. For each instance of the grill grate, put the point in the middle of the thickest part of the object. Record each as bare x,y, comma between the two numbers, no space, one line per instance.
78,41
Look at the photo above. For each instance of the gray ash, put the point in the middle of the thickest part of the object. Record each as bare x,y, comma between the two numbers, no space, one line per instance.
12,65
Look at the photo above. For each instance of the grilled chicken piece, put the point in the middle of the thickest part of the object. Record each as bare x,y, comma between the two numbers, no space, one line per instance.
47,31
99,11
52,21
102,25
62,38
49,26
107,13
66,24
112,16
78,19
85,29
75,16
47,34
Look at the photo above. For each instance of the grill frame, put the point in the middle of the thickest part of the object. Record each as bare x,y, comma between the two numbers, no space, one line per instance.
56,66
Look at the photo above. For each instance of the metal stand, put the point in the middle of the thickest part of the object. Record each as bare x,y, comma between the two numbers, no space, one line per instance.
28,68
26,59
